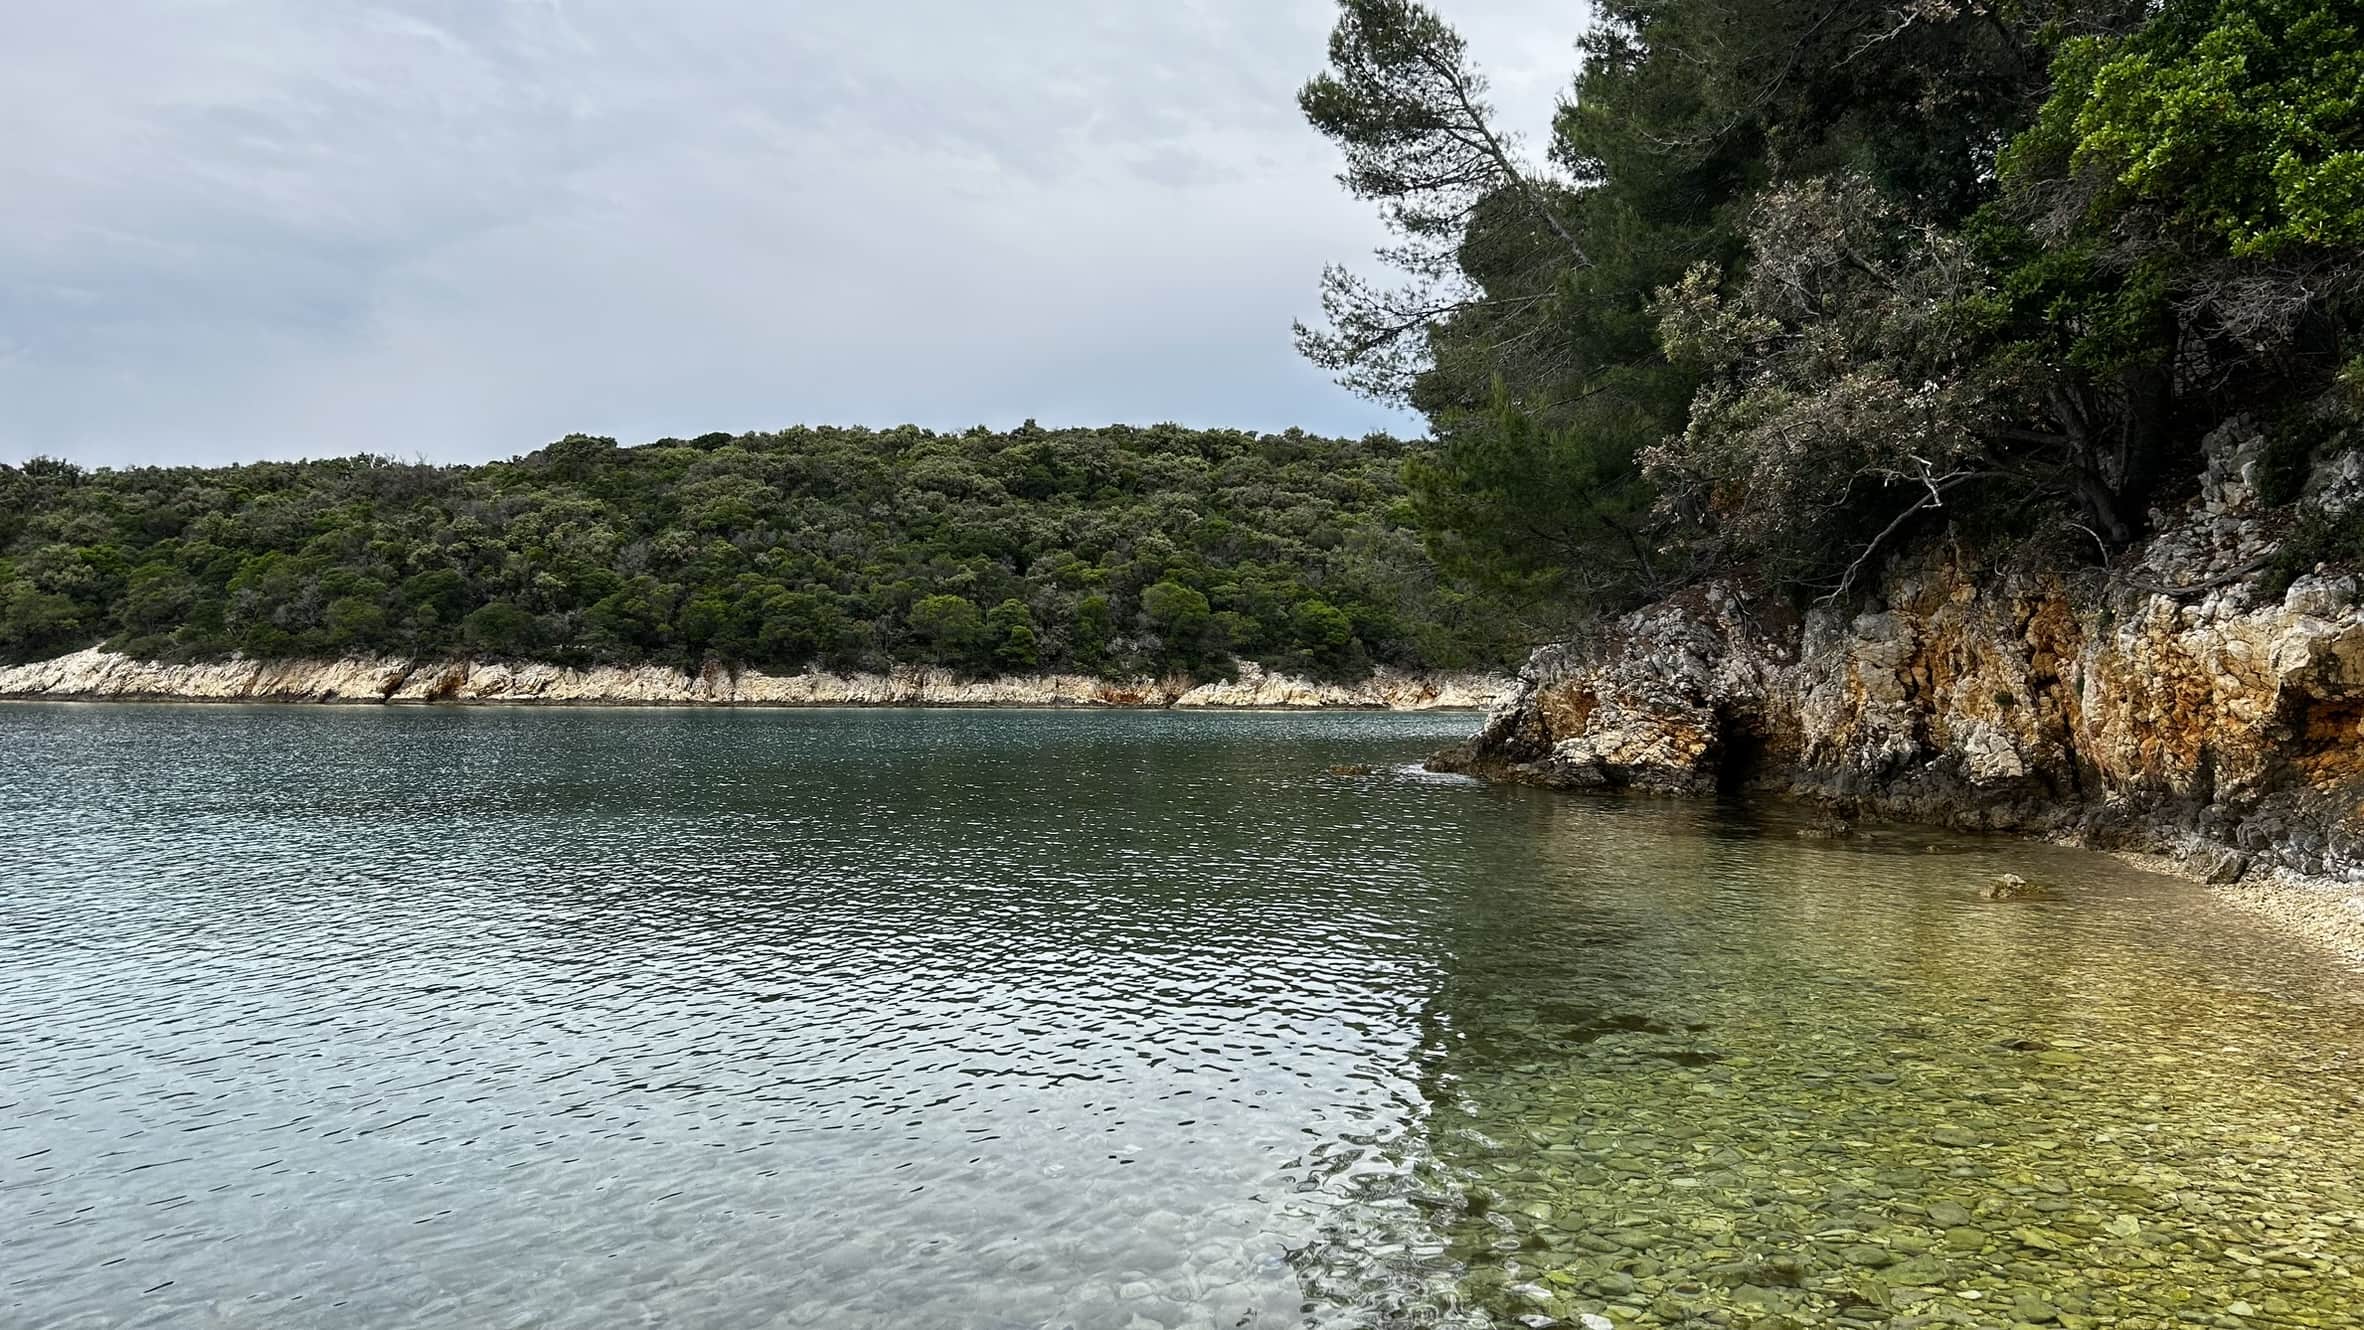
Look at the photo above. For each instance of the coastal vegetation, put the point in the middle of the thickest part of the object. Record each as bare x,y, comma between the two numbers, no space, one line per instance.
1119,551
1793,287
1800,283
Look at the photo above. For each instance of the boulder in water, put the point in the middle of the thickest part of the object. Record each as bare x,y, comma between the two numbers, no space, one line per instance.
2013,887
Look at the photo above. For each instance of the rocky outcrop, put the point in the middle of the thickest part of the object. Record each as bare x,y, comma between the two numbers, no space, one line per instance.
2166,704
95,675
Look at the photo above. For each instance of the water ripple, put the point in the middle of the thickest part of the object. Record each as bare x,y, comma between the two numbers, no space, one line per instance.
445,1018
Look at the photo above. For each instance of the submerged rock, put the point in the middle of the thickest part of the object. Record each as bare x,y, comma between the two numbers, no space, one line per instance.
1948,1214
1829,827
2034,1310
2013,887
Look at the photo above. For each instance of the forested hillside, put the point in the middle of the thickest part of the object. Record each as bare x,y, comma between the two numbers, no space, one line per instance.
1792,286
1799,282
1114,551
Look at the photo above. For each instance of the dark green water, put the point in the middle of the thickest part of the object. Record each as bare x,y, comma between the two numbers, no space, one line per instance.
488,1018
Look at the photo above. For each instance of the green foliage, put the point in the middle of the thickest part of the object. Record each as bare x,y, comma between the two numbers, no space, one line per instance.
1531,343
792,629
1513,503
1322,628
1119,551
500,628
35,622
1094,626
1402,100
1009,633
1839,386
1812,280
2176,238
949,627
2242,118
1183,622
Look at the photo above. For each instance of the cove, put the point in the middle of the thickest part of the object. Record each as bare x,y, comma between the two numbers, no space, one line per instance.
469,1017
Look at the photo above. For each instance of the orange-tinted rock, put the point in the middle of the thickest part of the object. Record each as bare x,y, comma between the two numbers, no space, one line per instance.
2201,722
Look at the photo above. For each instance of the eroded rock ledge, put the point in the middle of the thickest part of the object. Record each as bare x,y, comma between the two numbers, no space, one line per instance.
96,675
2166,705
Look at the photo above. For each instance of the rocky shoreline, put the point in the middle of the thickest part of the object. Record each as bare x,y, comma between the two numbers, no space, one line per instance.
96,675
2322,911
2172,705
2328,914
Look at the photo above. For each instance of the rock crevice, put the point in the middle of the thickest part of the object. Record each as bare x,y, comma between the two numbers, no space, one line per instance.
2167,704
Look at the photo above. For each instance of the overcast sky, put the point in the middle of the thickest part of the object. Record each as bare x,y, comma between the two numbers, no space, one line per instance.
462,228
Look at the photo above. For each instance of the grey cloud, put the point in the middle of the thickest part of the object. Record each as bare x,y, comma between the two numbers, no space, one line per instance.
462,227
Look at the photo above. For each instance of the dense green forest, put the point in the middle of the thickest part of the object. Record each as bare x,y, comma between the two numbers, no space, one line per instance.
1795,284
1117,551
1802,281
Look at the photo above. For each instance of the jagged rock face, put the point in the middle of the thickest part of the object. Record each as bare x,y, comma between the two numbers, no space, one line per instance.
1659,701
2162,705
97,674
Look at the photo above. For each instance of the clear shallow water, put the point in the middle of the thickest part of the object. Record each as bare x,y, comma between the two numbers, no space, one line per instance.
410,1017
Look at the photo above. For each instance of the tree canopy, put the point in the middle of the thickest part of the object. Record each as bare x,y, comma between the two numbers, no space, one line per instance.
1799,279
1117,551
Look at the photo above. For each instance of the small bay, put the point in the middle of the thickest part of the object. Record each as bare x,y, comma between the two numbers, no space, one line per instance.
478,1017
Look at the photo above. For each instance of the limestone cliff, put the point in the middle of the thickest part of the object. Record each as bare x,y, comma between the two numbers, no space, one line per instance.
2165,704
100,675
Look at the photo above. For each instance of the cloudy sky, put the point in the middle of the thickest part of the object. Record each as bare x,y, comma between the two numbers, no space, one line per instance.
461,228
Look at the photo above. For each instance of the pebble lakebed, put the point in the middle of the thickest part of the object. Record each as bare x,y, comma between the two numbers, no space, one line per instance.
1107,1019
1924,1134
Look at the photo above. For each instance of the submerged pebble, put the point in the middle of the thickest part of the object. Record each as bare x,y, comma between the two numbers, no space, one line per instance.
1975,1128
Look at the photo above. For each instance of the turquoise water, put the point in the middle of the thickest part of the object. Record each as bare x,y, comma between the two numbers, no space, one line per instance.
483,1017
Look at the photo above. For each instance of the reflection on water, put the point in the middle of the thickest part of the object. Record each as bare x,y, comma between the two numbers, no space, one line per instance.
487,1018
